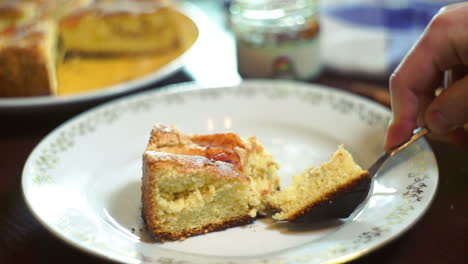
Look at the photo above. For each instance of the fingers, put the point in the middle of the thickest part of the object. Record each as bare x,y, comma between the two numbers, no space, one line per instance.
443,45
424,101
397,132
449,110
458,137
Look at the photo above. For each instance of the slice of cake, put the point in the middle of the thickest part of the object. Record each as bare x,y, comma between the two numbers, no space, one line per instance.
194,184
27,60
29,53
118,27
185,195
28,42
325,191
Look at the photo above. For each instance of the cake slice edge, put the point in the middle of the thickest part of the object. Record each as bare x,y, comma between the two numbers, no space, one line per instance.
293,202
151,199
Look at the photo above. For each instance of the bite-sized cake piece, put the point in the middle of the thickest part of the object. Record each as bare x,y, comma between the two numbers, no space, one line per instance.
193,184
116,27
321,187
27,60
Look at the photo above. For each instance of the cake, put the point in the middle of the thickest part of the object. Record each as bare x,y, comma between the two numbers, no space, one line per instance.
35,35
28,45
109,27
333,189
27,60
16,13
194,184
200,183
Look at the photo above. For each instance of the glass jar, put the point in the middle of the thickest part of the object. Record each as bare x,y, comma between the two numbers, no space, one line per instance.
277,38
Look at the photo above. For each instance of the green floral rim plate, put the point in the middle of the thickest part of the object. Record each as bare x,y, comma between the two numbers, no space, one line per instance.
82,182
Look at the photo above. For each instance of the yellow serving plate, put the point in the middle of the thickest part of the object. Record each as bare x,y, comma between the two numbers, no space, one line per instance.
78,75
84,80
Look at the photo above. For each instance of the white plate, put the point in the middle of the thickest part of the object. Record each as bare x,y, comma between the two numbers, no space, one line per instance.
83,180
52,102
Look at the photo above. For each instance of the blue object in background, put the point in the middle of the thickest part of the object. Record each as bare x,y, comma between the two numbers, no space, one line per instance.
415,15
402,24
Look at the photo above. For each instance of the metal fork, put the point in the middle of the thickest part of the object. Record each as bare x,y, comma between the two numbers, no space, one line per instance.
417,133
346,205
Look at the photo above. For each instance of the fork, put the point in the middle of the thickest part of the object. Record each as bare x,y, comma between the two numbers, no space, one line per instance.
357,198
417,133
347,204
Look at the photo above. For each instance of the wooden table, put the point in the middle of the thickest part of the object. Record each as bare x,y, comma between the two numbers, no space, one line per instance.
441,236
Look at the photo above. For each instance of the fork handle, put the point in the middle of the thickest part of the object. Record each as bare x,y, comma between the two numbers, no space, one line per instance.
417,133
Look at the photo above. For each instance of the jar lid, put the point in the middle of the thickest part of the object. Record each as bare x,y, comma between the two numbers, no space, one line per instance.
273,15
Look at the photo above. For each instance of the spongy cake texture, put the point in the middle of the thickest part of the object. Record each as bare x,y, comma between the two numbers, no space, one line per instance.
316,186
194,184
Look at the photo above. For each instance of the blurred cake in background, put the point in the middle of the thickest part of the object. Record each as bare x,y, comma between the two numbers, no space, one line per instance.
27,50
37,37
110,27
27,60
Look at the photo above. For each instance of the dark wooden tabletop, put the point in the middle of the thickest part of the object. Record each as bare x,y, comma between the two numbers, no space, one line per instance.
441,236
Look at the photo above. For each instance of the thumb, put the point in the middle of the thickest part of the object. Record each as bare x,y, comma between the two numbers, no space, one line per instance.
449,110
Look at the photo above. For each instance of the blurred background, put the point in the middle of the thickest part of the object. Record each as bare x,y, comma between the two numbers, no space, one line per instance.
358,38
349,44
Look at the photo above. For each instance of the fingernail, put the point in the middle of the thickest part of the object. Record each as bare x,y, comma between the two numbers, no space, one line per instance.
439,123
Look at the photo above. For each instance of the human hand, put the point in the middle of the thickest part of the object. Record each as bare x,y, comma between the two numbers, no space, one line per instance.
442,47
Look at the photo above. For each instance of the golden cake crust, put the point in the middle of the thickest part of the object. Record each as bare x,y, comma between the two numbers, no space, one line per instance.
183,164
226,147
166,136
26,60
171,155
28,47
172,236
